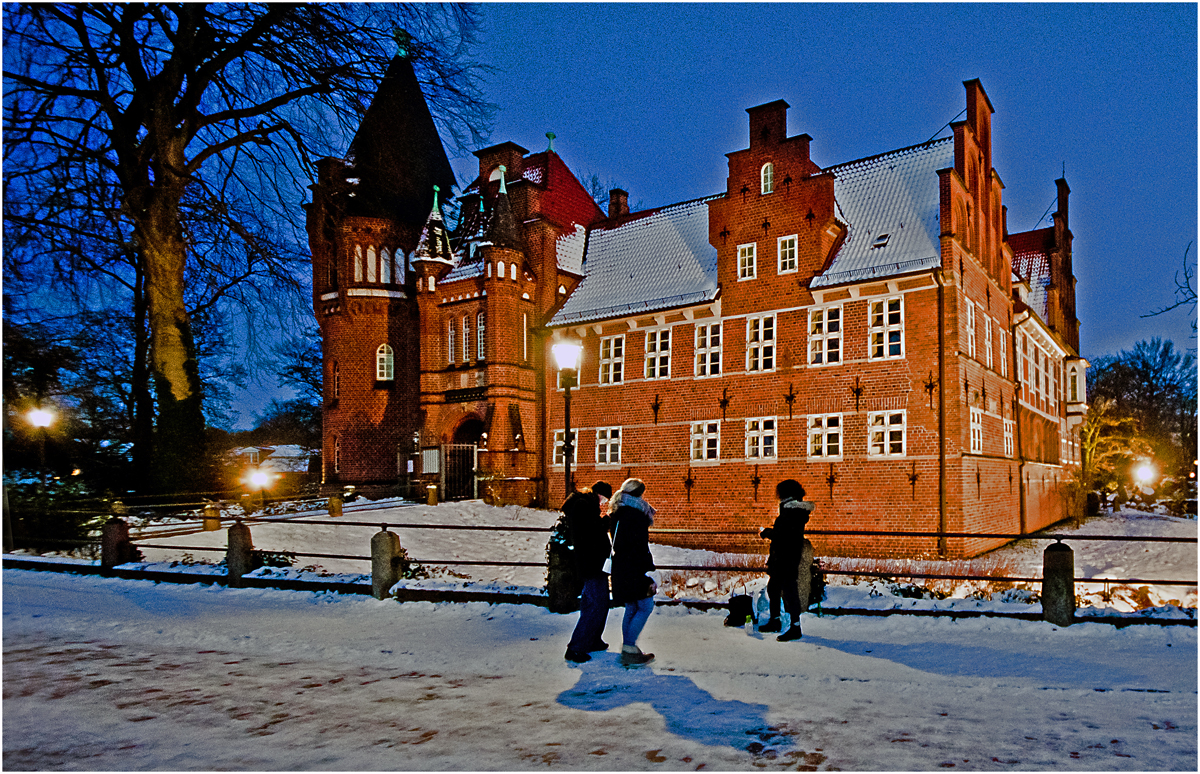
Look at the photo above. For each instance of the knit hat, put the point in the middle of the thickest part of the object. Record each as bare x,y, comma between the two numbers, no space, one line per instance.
633,486
602,488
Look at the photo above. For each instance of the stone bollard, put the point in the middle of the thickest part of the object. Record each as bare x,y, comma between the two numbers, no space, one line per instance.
804,578
1058,584
238,555
115,547
212,517
385,562
431,494
335,505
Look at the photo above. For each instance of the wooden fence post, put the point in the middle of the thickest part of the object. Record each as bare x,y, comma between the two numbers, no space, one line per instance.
238,555
1058,584
385,561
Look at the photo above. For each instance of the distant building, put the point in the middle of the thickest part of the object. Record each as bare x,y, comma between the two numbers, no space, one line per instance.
870,329
287,464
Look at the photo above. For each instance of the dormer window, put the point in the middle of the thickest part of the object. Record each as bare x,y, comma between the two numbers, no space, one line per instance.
880,241
768,177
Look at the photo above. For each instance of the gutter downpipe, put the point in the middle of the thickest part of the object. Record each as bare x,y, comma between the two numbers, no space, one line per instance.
941,301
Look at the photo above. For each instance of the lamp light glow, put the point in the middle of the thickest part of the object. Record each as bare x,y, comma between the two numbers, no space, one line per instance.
566,354
259,479
40,417
1144,473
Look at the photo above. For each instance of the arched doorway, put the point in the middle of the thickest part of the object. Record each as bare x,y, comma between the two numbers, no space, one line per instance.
469,431
460,457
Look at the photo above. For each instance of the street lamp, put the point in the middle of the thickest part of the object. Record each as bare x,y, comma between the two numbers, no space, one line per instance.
42,419
260,480
566,355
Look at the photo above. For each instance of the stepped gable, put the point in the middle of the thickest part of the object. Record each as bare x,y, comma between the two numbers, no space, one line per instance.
397,154
894,194
660,259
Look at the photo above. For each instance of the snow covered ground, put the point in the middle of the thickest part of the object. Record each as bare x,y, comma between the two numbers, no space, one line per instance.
109,674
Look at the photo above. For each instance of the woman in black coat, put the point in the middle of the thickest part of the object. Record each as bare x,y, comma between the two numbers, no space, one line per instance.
787,551
631,517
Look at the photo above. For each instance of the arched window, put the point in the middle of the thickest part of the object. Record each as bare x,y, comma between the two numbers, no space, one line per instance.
479,331
358,271
768,177
385,364
512,274
385,266
500,269
371,264
398,268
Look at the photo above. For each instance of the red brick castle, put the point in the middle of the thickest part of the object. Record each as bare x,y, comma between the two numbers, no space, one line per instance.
870,329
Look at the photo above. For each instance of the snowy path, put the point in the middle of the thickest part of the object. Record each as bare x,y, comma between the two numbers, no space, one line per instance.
105,674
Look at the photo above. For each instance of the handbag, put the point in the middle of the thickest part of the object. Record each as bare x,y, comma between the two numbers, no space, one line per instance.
607,569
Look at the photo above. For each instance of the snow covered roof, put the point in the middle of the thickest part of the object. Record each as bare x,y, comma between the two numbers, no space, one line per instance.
891,204
1031,264
659,261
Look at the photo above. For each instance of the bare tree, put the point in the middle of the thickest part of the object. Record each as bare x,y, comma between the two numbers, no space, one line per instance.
181,135
1185,290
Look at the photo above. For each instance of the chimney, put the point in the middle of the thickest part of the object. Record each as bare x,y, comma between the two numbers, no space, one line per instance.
618,203
768,123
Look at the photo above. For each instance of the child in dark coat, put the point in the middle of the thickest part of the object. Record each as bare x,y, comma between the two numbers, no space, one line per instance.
787,551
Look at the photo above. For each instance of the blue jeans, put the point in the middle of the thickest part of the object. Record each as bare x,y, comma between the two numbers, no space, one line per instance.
636,615
593,614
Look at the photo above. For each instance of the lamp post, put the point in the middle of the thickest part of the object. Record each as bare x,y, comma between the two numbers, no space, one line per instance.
566,355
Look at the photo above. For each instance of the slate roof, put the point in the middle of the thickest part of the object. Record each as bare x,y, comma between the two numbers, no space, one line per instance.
660,261
897,194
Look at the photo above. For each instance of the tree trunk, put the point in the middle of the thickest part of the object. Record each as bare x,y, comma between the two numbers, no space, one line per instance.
142,419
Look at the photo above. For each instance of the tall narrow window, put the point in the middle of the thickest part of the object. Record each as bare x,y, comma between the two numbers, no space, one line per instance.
385,364
886,434
450,341
887,328
608,446
825,435
987,340
358,266
658,354
1002,337
970,328
466,339
706,440
787,254
480,323
747,262
337,454
524,335
825,335
760,343
398,275
1009,427
1074,386
708,349
385,266
768,178
760,438
612,359
337,381
371,264
976,431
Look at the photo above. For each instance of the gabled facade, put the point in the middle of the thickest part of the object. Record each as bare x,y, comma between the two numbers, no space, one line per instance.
860,328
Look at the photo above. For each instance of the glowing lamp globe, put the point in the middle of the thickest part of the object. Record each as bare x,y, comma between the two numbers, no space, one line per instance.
259,479
566,355
1144,473
40,417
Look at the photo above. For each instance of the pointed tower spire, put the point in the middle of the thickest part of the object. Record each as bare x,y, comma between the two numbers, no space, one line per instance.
502,231
434,244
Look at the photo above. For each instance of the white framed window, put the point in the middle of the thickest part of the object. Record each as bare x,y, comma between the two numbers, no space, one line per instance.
1074,394
970,328
658,354
760,343
385,363
358,263
767,178
1037,371
987,340
466,339
371,264
825,335
337,454
786,251
708,349
825,435
560,437
747,262
886,435
450,341
385,266
887,328
480,330
760,438
976,431
1009,432
1052,384
608,446
612,359
1002,340
706,440
512,272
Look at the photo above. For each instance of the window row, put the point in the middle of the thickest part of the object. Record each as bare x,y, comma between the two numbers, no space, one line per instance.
887,433
995,339
785,258
466,325
383,266
825,338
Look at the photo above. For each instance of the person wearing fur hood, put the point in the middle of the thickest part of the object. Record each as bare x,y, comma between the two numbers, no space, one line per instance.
787,551
632,585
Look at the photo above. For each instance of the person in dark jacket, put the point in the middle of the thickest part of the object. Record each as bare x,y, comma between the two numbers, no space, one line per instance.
631,583
588,528
787,551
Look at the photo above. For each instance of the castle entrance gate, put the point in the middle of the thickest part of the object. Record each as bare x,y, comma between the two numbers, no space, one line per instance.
458,472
